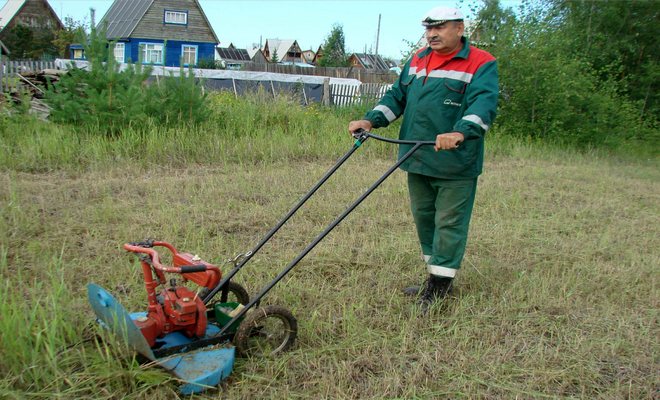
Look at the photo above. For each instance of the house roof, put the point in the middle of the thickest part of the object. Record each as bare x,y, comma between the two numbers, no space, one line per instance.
281,46
9,10
124,15
233,54
12,7
371,61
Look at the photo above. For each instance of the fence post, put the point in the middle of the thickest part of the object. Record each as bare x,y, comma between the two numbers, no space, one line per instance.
326,91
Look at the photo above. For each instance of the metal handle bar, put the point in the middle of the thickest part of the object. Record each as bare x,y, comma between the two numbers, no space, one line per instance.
366,134
155,259
247,256
362,136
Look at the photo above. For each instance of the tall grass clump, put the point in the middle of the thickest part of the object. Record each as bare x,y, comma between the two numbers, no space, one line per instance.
49,349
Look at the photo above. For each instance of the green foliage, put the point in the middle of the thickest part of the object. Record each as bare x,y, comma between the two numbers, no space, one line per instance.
178,98
209,63
107,99
334,49
620,40
552,88
274,58
73,32
30,42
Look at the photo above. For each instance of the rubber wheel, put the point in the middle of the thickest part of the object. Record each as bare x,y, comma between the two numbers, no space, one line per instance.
237,293
266,331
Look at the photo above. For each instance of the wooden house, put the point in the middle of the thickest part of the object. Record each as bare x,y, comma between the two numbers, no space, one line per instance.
318,55
17,15
30,13
160,32
308,56
368,61
276,50
233,57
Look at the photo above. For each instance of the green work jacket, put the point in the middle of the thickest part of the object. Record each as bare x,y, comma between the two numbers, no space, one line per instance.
457,96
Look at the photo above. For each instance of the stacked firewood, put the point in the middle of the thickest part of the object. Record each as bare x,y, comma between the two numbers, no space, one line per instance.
31,86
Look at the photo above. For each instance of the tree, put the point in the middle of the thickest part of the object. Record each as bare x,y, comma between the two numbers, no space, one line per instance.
274,58
73,32
620,40
334,50
492,20
30,42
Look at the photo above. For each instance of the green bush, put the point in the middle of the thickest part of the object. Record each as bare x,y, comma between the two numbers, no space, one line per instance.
107,99
552,91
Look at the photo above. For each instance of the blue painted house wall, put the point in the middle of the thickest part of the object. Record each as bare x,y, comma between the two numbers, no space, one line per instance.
171,23
173,50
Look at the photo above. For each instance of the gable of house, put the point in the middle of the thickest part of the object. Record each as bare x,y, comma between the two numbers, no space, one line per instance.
182,20
30,13
286,50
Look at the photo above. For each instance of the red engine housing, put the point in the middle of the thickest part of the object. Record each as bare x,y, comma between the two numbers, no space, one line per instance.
180,310
175,308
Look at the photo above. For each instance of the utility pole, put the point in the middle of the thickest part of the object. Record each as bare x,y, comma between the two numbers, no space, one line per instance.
377,35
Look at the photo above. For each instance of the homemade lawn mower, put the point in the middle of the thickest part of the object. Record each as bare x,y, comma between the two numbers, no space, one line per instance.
195,337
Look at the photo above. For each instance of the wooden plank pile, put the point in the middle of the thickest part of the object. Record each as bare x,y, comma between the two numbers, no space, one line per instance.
31,86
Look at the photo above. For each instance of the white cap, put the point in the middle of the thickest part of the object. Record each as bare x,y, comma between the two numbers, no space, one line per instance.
440,15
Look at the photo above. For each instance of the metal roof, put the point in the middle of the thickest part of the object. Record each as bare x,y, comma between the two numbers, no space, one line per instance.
371,61
233,54
123,16
9,10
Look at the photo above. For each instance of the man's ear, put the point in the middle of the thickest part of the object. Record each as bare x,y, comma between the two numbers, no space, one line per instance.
461,28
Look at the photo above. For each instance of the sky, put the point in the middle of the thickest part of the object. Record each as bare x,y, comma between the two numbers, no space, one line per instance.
246,22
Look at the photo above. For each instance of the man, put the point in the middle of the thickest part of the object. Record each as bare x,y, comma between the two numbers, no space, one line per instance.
447,92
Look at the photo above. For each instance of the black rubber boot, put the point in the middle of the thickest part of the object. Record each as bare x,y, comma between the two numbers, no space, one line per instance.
435,288
411,290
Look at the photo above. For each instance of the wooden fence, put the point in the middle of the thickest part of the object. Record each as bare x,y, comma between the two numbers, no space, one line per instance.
364,76
10,70
348,95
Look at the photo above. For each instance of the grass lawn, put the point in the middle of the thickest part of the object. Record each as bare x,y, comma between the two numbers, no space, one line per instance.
557,296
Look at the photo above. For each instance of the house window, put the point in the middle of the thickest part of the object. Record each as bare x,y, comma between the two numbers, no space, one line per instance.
78,54
119,52
189,54
152,53
176,17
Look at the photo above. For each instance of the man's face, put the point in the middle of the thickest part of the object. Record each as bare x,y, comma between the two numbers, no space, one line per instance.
445,38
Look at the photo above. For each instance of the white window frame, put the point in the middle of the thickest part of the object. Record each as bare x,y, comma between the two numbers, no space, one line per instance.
120,52
147,50
183,53
176,17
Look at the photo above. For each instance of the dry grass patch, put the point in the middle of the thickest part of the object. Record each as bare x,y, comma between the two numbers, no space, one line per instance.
557,296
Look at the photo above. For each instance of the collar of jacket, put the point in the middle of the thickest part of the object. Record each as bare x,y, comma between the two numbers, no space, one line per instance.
463,53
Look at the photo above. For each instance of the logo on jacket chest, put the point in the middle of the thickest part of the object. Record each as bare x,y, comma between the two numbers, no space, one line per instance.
450,102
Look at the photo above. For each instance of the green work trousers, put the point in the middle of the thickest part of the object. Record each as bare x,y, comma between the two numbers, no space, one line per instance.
442,209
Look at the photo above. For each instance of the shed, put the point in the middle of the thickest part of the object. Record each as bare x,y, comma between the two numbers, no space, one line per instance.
368,61
233,57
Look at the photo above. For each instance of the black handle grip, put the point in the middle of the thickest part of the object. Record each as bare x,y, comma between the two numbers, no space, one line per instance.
193,268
